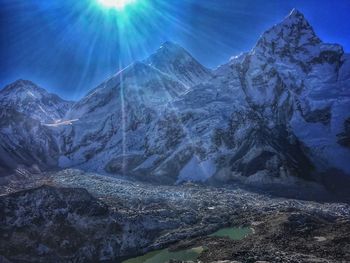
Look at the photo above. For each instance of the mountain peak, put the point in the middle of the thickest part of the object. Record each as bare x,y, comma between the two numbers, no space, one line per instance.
171,46
296,18
175,61
169,51
296,13
22,85
288,36
23,82
33,101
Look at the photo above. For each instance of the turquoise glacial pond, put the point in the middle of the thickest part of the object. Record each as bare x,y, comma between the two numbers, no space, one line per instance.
234,233
164,255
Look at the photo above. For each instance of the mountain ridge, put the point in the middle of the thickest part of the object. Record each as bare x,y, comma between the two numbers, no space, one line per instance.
36,102
276,114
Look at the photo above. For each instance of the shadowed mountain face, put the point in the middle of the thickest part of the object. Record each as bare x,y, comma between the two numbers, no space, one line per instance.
277,114
33,101
174,60
25,140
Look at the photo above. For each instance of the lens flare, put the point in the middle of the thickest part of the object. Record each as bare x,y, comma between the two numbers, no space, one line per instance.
117,4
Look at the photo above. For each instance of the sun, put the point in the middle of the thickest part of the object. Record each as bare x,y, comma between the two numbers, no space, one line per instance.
116,4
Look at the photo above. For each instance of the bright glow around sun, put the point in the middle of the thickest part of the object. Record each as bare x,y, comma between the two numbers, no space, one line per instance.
117,4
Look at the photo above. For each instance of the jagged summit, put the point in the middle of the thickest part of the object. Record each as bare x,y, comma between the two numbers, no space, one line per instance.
28,88
172,47
292,35
168,52
22,81
33,101
296,20
296,13
170,61
22,84
174,60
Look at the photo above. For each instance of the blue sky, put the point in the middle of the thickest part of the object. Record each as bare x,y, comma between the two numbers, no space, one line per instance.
69,46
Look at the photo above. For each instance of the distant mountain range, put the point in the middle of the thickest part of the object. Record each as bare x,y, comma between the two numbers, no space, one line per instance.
277,114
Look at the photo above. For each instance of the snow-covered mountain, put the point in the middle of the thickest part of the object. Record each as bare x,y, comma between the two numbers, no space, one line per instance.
278,113
315,78
25,139
33,101
175,61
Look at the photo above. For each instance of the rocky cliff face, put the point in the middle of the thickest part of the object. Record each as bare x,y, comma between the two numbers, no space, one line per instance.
275,114
57,225
26,113
25,142
33,101
310,89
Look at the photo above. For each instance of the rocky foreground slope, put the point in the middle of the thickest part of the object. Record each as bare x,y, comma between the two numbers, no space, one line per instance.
276,114
116,219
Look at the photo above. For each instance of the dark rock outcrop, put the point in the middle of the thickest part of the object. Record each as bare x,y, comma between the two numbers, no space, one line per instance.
49,224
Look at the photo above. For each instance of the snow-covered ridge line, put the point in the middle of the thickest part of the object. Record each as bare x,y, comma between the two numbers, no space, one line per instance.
276,114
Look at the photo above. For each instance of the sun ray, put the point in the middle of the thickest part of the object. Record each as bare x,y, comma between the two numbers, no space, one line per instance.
116,4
